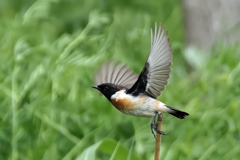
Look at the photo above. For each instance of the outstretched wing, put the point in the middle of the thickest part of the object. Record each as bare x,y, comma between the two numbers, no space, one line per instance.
116,74
153,78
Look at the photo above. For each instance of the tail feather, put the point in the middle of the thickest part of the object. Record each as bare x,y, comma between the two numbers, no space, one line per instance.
177,113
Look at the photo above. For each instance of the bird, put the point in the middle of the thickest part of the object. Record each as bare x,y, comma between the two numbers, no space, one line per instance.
137,95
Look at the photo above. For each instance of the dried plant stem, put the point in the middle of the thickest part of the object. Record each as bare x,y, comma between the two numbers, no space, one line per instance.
158,138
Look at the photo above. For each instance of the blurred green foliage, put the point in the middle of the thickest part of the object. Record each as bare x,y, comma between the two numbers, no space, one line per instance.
48,110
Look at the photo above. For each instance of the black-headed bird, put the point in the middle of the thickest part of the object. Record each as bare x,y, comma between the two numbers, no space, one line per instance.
137,95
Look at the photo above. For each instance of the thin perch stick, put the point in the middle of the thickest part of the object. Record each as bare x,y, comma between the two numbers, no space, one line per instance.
158,138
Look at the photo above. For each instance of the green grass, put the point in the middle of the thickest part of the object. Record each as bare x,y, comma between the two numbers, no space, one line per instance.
48,110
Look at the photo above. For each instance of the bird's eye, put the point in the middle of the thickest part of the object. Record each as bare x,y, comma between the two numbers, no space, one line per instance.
105,88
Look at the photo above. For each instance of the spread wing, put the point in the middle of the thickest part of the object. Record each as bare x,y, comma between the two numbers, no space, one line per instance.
116,74
153,78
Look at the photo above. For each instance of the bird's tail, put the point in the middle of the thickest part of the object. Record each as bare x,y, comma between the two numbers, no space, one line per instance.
177,113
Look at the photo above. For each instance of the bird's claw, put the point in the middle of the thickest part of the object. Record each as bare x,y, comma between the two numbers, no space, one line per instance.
154,127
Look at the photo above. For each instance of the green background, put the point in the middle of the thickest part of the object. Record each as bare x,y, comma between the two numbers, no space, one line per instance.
48,110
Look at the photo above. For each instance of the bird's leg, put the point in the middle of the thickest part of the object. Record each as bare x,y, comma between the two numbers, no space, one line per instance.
153,123
154,126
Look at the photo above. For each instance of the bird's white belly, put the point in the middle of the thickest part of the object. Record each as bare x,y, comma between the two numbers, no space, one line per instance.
142,111
142,106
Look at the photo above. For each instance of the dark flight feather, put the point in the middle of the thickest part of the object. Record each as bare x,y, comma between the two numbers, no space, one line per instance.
153,78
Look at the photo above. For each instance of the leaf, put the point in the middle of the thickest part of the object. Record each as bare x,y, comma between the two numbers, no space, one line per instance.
89,153
109,146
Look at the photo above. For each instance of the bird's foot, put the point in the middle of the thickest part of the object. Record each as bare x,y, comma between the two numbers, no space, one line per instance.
154,126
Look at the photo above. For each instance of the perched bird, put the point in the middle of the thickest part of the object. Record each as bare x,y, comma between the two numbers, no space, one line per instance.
135,95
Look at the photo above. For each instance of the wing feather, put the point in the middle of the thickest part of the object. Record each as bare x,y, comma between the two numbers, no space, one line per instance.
115,74
159,62
154,76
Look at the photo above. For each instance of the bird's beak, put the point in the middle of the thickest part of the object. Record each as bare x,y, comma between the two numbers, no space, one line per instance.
96,87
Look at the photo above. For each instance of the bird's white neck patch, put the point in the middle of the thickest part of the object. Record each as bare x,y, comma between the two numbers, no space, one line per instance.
119,95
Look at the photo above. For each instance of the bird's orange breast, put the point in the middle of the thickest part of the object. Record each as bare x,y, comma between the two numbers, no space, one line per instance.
126,102
122,104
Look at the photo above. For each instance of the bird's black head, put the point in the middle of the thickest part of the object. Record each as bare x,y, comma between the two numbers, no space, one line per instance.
107,89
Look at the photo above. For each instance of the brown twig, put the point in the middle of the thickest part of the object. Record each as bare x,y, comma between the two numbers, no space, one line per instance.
158,138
